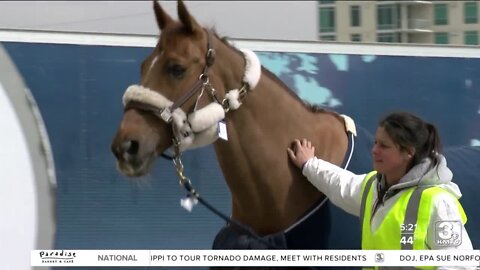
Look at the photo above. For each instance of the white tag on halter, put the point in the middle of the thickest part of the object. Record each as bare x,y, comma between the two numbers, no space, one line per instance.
222,130
188,202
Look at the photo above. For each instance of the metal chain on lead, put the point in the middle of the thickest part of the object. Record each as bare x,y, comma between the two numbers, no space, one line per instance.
177,161
179,168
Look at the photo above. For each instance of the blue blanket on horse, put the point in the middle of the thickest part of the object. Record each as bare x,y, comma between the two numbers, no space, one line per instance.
311,233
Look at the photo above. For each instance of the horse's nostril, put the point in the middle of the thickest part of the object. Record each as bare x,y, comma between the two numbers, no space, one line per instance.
131,147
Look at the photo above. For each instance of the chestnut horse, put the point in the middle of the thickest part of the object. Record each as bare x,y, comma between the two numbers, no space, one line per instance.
191,84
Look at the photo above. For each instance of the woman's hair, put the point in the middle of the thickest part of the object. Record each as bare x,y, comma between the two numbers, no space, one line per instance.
408,130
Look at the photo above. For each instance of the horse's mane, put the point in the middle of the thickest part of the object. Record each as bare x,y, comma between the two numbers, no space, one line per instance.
268,73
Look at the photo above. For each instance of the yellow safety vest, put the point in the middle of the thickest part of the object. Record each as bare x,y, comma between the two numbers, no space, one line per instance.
405,225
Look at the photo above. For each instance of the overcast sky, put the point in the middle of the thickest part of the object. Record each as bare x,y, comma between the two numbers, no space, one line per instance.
290,20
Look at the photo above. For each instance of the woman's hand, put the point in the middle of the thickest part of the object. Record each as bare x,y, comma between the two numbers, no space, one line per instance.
301,152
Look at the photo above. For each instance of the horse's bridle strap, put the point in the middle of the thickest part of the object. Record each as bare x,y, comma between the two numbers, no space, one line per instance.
194,89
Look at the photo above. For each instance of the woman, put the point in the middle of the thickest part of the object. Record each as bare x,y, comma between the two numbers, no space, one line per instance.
409,201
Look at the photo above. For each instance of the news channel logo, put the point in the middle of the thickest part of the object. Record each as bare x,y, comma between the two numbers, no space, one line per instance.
379,257
448,233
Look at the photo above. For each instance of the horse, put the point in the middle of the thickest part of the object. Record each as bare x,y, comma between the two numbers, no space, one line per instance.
197,89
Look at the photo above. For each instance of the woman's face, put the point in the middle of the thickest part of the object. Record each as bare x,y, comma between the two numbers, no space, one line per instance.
388,159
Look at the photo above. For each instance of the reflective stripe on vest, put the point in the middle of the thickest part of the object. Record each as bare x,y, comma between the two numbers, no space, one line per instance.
406,223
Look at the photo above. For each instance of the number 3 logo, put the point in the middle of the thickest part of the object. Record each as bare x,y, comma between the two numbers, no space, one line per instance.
446,230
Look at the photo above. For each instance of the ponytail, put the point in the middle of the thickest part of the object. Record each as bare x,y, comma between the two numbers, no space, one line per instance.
433,145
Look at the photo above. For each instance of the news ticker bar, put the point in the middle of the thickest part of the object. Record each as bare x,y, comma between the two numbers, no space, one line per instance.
255,258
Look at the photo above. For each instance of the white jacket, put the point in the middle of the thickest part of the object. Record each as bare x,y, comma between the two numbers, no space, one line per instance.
343,188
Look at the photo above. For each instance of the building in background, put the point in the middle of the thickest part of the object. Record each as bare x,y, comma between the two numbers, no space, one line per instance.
433,22
284,20
405,21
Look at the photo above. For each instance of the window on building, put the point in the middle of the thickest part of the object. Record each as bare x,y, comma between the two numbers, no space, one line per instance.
389,37
328,37
441,38
470,12
441,14
327,19
388,17
356,37
471,37
326,1
355,15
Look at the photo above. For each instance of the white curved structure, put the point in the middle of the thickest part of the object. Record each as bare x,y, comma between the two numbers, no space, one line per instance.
27,175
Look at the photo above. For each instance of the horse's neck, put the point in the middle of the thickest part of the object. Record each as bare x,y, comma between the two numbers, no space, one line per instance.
268,193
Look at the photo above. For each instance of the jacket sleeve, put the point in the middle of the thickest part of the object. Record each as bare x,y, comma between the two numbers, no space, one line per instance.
445,209
341,186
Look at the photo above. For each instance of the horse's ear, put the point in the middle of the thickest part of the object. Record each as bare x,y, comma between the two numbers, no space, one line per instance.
187,20
162,17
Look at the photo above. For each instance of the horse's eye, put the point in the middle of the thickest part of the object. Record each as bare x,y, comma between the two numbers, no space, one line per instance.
175,70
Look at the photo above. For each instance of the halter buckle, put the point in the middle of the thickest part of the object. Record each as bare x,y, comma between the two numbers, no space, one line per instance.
210,57
166,115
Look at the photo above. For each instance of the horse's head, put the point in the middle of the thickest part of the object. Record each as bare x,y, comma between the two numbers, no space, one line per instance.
173,78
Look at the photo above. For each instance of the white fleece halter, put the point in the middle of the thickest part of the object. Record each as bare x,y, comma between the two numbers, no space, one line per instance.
199,128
